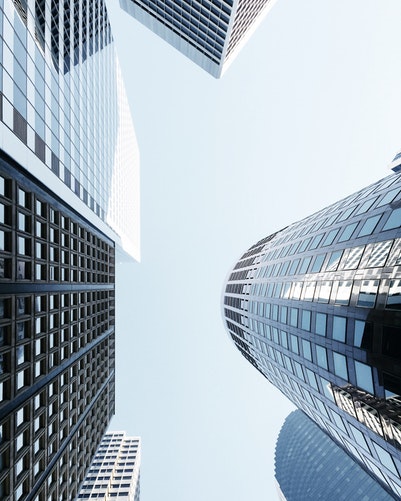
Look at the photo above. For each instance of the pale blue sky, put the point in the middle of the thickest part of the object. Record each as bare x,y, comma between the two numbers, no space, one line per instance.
308,113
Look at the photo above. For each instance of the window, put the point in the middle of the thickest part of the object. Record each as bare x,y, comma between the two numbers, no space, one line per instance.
334,260
323,292
394,221
388,197
331,235
348,231
379,253
394,295
316,241
320,327
294,317
306,320
353,258
343,292
369,226
321,356
364,378
294,344
367,293
306,348
339,328
365,206
340,365
317,265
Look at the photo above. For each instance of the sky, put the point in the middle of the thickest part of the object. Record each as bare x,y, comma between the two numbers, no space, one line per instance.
308,113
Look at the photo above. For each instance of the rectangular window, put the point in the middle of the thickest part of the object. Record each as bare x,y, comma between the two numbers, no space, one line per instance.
367,293
340,365
339,328
306,320
321,356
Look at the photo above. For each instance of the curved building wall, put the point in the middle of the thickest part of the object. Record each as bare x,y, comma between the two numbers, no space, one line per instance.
309,466
316,308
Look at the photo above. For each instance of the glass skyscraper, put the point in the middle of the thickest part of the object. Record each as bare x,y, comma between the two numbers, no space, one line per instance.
309,465
316,308
115,470
68,211
210,32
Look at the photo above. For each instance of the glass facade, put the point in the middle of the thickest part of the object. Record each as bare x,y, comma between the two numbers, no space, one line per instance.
309,466
115,470
209,32
63,110
316,309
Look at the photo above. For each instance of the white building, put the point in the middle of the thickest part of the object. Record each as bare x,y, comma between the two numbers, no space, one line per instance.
115,470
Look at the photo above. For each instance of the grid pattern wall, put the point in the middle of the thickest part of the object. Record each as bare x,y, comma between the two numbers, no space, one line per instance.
316,308
203,23
246,14
57,348
309,466
60,93
114,472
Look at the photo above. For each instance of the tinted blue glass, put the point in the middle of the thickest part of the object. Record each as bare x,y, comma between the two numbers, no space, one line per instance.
358,332
294,317
348,231
306,348
364,376
339,327
394,221
320,328
306,319
316,241
334,260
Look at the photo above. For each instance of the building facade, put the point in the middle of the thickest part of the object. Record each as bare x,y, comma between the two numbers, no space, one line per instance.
309,465
68,210
115,470
64,115
316,308
210,32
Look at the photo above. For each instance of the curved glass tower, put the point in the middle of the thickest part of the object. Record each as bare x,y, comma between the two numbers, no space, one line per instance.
316,308
309,466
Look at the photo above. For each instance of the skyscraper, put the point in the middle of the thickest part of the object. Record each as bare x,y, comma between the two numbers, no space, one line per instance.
309,465
316,308
115,470
210,32
64,158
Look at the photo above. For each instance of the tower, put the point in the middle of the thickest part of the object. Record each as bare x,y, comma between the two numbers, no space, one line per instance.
115,470
64,158
309,465
316,308
210,33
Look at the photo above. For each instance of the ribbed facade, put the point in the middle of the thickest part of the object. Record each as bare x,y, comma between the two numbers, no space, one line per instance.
316,308
209,32
309,465
115,470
